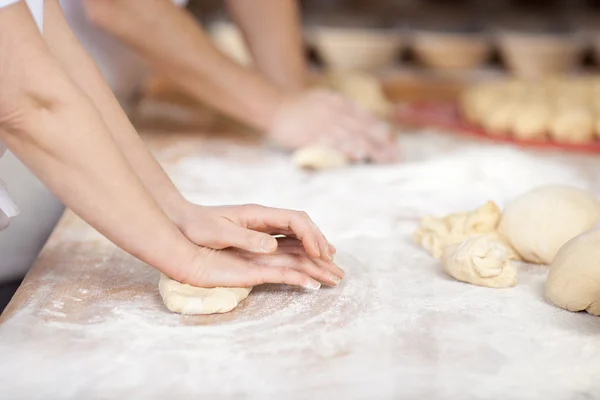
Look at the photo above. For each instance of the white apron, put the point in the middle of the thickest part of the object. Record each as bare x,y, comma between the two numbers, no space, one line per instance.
7,207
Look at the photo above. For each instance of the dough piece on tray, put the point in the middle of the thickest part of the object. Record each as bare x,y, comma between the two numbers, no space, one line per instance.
532,120
191,300
480,260
573,125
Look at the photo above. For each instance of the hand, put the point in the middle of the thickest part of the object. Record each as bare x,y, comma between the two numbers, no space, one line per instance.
324,117
289,264
249,227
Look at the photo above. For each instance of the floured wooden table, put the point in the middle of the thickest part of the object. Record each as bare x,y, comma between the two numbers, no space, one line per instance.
88,321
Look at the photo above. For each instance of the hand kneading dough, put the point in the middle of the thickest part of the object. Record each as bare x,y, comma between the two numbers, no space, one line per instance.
482,261
315,157
433,233
191,300
574,279
540,221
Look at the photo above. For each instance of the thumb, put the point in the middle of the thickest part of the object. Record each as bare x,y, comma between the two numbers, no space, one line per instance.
255,242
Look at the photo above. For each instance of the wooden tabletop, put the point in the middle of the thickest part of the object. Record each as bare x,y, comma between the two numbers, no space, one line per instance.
88,321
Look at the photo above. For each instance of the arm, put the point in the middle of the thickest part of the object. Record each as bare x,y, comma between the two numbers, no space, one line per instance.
82,69
52,127
152,27
274,35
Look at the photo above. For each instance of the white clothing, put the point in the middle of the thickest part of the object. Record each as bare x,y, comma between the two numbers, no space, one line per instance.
36,7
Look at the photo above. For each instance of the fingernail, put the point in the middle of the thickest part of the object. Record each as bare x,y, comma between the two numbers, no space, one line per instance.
333,278
332,249
312,285
267,244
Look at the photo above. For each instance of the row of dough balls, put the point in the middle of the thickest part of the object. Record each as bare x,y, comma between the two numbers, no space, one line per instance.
554,224
566,110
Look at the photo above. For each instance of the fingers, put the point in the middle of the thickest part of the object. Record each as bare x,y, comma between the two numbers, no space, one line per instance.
297,223
315,269
293,246
252,241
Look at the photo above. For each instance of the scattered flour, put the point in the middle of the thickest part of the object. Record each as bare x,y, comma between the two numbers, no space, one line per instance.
397,327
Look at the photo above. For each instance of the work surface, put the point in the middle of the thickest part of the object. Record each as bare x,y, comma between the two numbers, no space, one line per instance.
88,321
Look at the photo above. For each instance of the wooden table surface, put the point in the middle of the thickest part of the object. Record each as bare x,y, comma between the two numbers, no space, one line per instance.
88,321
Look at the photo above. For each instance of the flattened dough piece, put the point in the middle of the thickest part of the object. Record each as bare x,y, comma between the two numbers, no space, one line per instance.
316,157
190,300
482,261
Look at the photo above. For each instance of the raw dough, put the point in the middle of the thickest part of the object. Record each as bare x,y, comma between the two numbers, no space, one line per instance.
480,260
362,88
316,157
573,125
540,221
191,300
434,233
574,279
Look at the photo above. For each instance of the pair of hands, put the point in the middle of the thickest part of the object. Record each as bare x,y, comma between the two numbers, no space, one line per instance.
236,248
322,117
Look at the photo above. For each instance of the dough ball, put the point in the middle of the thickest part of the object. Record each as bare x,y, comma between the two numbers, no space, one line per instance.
532,121
434,233
501,120
363,89
316,157
191,300
574,279
482,261
573,125
540,221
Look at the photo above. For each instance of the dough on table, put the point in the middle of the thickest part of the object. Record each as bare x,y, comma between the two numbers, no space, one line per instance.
185,299
480,260
317,157
574,279
434,233
539,222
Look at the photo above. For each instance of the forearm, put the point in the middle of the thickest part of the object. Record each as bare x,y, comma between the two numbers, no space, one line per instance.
273,32
172,41
81,68
51,126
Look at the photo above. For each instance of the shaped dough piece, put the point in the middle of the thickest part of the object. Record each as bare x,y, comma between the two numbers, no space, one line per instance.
316,157
433,233
541,221
573,125
482,261
363,89
191,300
533,120
574,279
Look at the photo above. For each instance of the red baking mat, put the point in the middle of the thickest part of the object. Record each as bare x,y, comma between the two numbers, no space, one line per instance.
446,115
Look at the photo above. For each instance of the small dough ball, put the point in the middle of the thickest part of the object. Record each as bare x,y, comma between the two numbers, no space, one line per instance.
191,300
573,125
482,261
532,121
500,121
363,89
316,157
539,222
574,279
